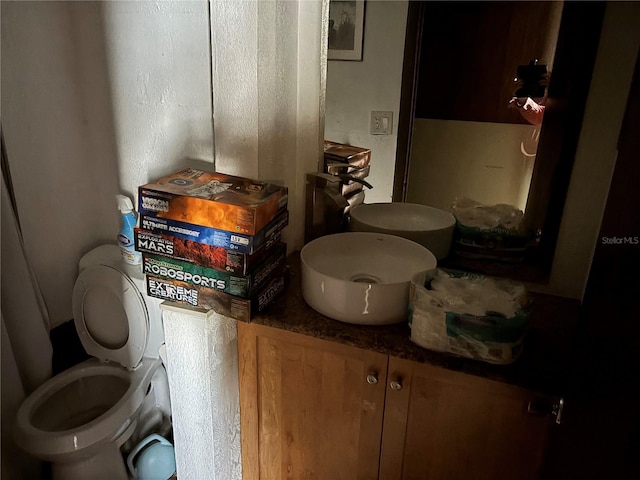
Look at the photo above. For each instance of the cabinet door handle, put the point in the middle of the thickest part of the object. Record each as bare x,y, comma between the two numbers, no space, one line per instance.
396,384
557,409
372,378
544,406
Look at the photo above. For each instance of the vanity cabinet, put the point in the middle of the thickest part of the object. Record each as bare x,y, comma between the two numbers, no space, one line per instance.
318,409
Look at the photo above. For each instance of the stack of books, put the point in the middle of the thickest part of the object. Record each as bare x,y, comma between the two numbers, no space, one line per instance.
213,241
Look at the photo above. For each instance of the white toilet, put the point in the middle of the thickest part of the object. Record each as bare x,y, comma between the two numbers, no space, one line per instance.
80,419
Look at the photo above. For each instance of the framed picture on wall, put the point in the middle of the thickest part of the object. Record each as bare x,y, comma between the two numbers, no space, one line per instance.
346,27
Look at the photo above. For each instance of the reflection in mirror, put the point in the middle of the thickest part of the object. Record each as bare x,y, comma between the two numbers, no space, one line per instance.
450,76
474,135
356,88
460,134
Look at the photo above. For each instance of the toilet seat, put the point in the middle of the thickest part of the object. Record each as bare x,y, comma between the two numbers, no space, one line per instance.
53,444
110,316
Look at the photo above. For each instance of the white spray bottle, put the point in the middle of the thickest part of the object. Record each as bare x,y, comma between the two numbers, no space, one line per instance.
125,236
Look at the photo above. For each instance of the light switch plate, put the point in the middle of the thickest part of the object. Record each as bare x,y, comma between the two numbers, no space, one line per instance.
381,123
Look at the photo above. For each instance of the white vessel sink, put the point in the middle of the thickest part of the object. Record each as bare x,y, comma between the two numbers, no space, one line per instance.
362,277
428,226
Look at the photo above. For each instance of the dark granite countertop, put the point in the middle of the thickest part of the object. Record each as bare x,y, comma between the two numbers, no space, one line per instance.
541,367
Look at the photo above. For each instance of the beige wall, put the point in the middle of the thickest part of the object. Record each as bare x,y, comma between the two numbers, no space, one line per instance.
478,160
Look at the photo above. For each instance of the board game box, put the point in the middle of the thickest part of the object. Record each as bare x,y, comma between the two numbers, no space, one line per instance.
336,154
222,303
206,255
196,275
216,238
215,200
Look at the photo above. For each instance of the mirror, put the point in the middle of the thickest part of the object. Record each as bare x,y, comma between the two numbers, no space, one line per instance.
469,139
457,135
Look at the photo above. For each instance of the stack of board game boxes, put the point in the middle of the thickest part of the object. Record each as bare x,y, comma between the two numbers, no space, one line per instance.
213,241
352,165
331,193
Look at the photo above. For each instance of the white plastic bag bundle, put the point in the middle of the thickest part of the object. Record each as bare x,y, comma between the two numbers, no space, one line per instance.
486,217
469,315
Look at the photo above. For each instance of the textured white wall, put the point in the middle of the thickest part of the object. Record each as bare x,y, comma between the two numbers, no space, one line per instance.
268,84
354,89
97,98
159,69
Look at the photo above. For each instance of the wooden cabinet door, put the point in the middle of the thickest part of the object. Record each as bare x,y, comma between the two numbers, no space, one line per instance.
307,410
444,425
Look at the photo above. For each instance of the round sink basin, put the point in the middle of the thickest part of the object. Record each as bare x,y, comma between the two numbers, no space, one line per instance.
428,226
362,277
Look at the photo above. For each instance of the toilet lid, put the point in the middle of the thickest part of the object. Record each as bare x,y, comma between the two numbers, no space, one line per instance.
110,315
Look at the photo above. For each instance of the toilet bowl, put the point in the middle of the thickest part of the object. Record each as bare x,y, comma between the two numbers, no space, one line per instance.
80,419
